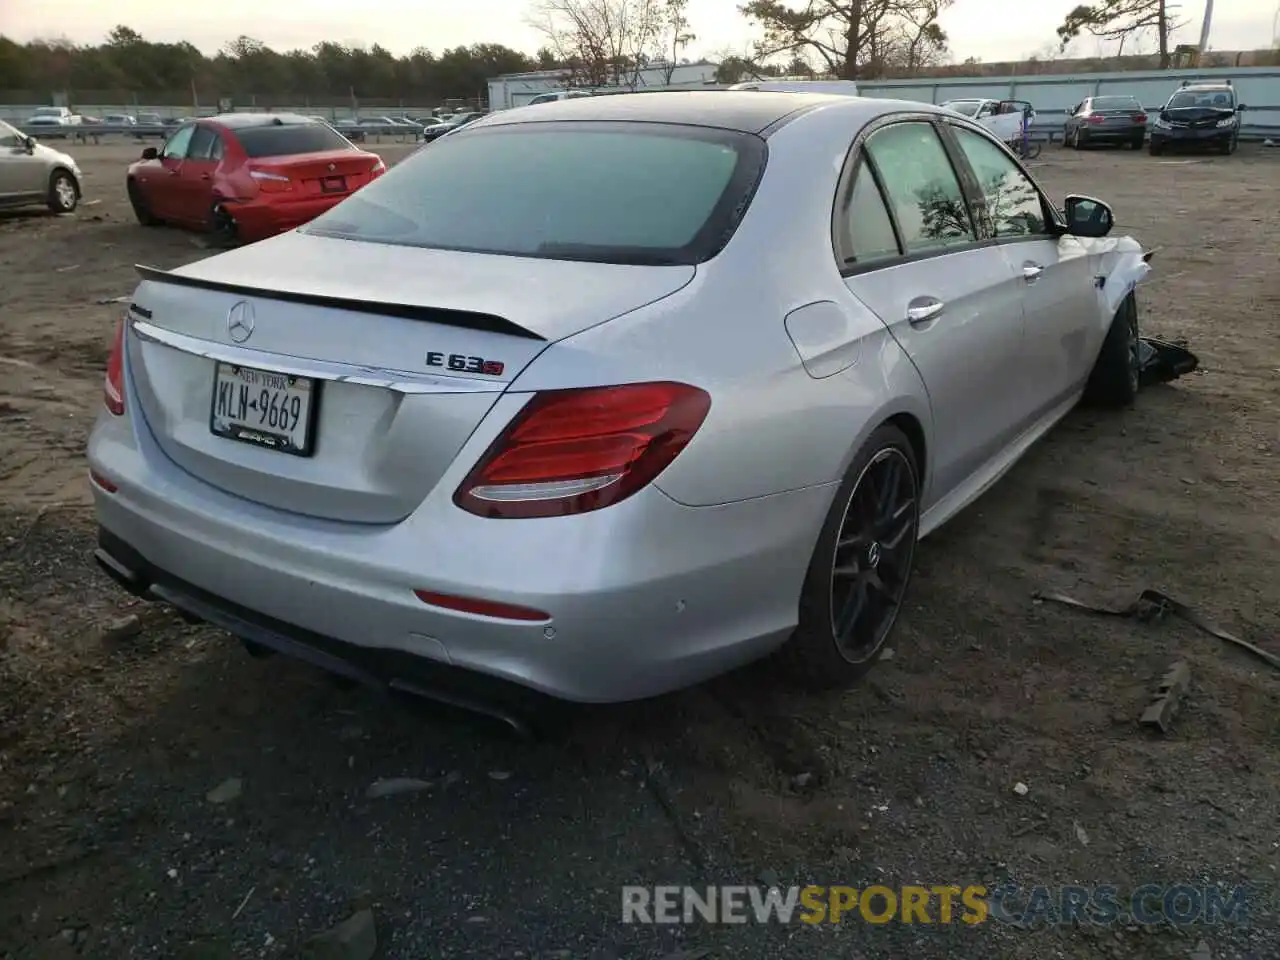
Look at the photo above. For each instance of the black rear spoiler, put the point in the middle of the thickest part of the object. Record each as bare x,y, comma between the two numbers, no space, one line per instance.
486,322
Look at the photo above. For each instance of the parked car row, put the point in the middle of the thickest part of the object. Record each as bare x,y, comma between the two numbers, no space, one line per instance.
1203,115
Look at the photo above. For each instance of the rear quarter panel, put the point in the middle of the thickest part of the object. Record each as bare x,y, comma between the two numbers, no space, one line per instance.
772,427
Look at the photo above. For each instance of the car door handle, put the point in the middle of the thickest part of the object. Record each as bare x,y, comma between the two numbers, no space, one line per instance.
923,310
205,176
1031,272
173,173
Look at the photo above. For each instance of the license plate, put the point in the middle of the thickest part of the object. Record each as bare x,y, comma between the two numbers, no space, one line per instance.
272,410
333,184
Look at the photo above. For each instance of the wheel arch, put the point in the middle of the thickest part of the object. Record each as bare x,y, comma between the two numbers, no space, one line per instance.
914,431
63,168
913,418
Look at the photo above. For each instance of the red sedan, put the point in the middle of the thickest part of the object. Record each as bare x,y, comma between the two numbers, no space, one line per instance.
247,176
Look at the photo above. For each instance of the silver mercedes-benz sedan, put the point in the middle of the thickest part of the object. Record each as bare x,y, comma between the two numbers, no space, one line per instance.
603,397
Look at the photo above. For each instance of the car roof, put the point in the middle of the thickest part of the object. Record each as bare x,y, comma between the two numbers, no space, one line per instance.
242,121
1213,87
746,111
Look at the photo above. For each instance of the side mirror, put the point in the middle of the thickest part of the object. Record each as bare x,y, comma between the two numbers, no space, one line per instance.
151,153
1241,108
29,144
1087,217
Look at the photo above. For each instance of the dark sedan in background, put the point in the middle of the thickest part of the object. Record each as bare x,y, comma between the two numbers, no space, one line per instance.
1199,115
450,124
1105,120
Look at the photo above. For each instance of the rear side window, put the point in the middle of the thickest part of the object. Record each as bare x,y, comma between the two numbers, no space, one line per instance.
289,139
866,231
922,187
608,192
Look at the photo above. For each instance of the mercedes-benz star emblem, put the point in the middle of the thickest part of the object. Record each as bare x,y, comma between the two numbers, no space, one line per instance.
240,321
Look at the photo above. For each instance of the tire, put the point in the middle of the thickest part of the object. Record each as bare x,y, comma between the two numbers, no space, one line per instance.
1078,141
1066,139
222,226
847,563
1116,374
141,209
1155,149
64,192
1228,148
1136,143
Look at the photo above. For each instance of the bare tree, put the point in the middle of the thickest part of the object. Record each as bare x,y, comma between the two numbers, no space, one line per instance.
1121,20
601,42
852,37
676,35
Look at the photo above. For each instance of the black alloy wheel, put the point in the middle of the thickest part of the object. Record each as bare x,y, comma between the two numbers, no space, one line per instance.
871,565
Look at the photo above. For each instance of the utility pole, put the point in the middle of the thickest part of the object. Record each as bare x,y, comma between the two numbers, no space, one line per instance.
1204,28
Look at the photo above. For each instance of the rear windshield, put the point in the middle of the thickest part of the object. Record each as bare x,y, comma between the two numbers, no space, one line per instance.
1116,103
283,141
1206,99
609,192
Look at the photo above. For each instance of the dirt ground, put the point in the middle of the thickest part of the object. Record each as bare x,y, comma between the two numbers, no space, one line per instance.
112,845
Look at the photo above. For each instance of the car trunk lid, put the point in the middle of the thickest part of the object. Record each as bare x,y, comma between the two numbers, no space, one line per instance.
339,379
311,174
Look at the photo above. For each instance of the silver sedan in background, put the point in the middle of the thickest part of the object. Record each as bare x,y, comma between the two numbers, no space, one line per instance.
603,397
32,173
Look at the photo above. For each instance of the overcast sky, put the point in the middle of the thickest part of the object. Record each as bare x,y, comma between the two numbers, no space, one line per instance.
988,29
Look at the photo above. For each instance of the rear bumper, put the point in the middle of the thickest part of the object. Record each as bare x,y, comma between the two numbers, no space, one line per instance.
1112,134
258,219
644,597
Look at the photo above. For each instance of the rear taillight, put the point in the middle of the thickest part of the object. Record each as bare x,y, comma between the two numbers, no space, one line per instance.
1094,118
378,170
571,451
113,383
1139,118
271,182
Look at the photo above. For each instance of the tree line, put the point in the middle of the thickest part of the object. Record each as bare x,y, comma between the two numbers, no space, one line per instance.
596,42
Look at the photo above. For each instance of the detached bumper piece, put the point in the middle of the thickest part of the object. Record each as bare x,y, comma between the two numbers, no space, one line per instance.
512,706
1161,361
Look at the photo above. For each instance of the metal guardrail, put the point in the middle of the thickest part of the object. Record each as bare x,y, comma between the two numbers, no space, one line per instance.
95,132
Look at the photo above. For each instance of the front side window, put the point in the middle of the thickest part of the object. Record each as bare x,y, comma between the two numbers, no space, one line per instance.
1011,201
202,142
176,147
922,187
604,192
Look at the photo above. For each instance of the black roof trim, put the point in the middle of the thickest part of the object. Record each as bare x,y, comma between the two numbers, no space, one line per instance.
450,318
